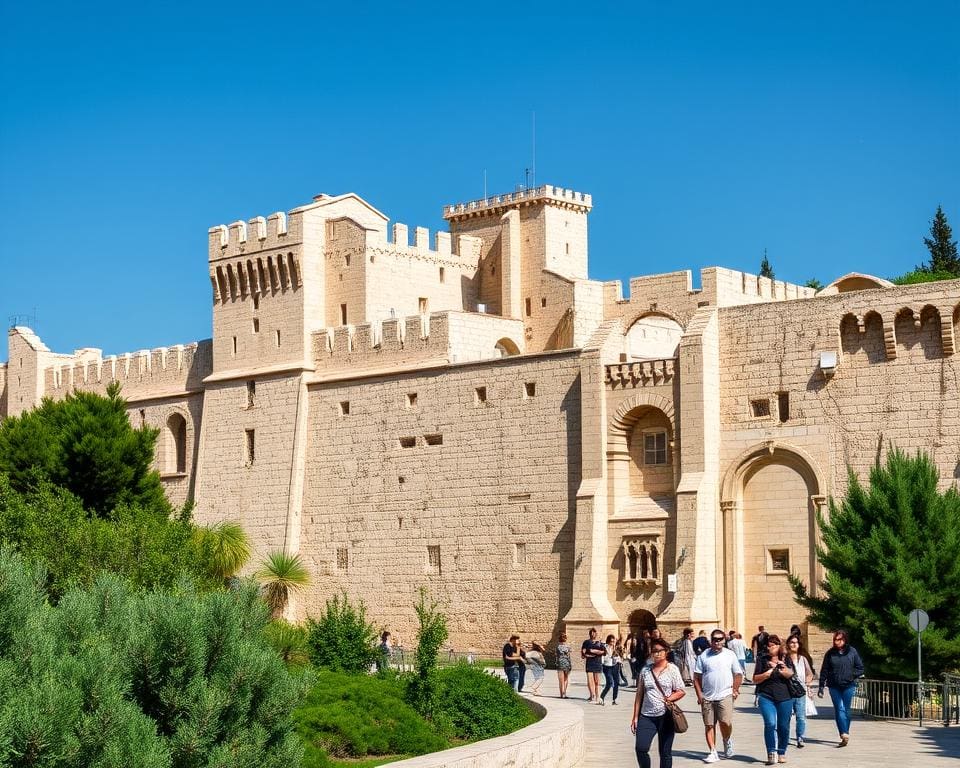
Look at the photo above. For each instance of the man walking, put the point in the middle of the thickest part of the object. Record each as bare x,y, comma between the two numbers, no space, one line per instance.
717,679
513,662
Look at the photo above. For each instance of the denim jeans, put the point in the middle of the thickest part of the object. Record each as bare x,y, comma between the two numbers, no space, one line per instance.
776,723
800,710
612,678
842,698
513,676
648,727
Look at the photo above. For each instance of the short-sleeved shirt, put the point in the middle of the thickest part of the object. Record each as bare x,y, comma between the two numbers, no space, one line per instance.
739,648
563,657
717,671
594,663
775,687
670,680
509,650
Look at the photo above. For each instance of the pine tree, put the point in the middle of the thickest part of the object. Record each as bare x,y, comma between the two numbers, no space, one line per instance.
765,269
943,249
887,549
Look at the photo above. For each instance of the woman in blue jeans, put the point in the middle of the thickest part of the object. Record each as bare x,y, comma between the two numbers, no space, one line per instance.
842,666
776,702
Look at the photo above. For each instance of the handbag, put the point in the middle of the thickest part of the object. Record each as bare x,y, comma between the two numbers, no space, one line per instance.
796,688
679,718
811,707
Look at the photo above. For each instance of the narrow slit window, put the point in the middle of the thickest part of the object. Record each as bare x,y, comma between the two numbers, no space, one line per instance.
543,301
251,394
519,553
250,447
526,304
783,406
422,305
433,558
256,325
443,275
530,389
411,401
234,346
343,314
277,337
344,407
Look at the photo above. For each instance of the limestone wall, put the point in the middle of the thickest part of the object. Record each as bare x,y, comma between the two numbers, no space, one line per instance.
3,390
482,461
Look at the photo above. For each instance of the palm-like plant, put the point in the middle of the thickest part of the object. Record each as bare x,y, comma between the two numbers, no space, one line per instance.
229,548
280,575
289,641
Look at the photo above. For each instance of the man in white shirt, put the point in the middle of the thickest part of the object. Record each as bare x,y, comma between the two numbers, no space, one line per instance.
717,677
739,648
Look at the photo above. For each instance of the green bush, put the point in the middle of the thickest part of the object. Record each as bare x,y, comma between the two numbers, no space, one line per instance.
422,688
354,716
342,639
114,678
289,641
478,705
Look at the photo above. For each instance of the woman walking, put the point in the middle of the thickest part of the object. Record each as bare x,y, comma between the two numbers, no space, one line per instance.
842,666
619,655
659,681
775,699
537,664
563,664
803,667
592,651
611,670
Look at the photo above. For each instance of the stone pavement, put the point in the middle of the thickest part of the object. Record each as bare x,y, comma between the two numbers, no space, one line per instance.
873,744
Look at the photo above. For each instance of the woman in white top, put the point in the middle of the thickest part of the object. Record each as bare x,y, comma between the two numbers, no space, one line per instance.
650,715
804,671
611,669
536,663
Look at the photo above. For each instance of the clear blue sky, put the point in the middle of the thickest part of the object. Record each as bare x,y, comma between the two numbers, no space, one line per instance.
826,132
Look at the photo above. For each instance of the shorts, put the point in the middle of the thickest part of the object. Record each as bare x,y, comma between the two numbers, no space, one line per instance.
717,711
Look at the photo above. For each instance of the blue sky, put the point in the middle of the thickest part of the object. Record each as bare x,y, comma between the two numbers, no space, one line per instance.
826,133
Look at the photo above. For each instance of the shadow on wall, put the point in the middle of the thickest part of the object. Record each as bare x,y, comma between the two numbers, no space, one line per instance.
564,544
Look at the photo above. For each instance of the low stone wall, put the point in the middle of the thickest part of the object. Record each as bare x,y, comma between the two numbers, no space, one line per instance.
556,741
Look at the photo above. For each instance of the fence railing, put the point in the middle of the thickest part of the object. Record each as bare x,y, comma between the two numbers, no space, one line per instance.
927,702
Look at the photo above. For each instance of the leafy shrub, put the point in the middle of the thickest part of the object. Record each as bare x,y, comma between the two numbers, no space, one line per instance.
289,641
422,689
342,639
353,716
478,705
119,679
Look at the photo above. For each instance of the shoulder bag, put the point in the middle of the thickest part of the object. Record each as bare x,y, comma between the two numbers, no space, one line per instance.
679,719
797,689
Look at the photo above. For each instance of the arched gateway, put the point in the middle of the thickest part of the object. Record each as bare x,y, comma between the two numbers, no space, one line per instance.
769,500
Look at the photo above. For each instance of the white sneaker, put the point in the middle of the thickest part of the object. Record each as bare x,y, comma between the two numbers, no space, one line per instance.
728,748
713,757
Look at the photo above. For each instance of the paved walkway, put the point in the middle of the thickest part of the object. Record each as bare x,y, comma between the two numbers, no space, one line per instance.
873,744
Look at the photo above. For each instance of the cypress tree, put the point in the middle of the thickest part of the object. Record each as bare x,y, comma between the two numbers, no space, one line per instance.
942,246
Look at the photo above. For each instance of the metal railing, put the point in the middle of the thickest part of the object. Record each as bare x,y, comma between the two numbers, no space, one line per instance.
928,702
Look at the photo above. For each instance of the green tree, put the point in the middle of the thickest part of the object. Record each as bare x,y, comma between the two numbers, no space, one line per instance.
280,575
228,548
116,678
942,246
887,549
765,269
341,638
84,443
422,690
814,283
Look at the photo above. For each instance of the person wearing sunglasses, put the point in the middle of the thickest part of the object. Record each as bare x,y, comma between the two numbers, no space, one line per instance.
775,699
717,678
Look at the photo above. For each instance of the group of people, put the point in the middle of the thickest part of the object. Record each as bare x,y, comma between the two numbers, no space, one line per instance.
715,666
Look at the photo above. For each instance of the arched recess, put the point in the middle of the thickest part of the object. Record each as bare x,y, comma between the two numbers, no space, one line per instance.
642,456
175,444
640,620
507,347
769,499
653,336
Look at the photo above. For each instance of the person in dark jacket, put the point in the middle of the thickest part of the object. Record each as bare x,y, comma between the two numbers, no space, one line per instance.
841,667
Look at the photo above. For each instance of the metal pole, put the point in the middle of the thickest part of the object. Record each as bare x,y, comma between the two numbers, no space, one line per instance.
920,675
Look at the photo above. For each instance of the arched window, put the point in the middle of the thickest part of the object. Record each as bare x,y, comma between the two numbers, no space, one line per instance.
631,562
176,445
653,337
507,348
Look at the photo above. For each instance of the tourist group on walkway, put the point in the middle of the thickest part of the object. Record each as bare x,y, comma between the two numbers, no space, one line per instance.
714,666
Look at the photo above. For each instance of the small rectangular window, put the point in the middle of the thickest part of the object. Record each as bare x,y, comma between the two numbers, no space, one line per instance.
443,275
343,559
234,346
480,395
655,448
780,560
408,442
256,325
411,400
526,304
760,408
433,558
343,314
783,406
250,447
143,417
277,338
567,246
433,439
251,393
256,302
344,407
422,305
530,389
543,301
519,553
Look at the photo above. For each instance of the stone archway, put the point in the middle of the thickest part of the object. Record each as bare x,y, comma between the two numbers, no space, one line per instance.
770,496
640,620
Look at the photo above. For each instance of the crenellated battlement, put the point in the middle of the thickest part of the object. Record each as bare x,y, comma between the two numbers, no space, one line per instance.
449,336
462,250
261,233
731,286
142,373
497,204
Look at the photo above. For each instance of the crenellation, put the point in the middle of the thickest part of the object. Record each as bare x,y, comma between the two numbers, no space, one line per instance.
421,238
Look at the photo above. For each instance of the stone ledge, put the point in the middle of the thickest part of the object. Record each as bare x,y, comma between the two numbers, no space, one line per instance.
556,741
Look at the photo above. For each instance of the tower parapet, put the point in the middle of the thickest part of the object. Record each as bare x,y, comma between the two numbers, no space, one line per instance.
498,204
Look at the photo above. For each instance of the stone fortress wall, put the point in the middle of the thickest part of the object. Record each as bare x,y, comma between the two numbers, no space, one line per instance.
472,413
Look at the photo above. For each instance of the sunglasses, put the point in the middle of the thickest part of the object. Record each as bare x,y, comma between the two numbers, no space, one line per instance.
717,639
773,643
